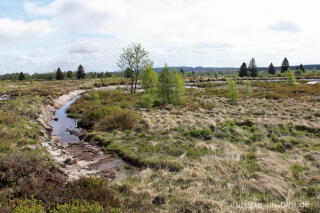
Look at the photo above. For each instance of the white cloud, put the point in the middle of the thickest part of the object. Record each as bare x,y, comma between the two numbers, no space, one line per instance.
94,54
182,32
17,30
285,26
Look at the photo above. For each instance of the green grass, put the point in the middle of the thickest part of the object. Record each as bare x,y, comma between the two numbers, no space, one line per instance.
160,152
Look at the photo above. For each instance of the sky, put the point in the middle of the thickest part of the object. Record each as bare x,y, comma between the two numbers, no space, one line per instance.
42,35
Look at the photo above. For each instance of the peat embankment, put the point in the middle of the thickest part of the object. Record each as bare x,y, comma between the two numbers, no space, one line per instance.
63,141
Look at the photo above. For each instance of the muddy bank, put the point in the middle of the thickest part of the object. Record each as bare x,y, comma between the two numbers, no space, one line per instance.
77,158
47,111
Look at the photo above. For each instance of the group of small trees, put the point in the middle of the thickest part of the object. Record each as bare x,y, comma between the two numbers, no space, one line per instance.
80,74
167,87
285,66
251,70
171,87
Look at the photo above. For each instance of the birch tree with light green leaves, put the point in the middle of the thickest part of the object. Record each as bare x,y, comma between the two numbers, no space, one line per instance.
136,58
149,80
171,87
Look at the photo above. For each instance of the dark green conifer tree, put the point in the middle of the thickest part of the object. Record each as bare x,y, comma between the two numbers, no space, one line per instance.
22,76
81,73
285,65
59,75
271,69
253,70
243,70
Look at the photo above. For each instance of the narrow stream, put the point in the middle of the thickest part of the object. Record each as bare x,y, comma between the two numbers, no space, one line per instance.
61,123
79,149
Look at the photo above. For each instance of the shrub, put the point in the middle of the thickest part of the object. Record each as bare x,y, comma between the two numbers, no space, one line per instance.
118,118
52,190
23,206
91,117
233,93
298,72
147,100
291,79
77,206
16,166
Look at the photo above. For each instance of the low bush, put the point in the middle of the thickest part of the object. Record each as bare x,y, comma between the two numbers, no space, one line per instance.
284,91
22,206
17,166
233,93
52,190
37,206
291,79
117,118
78,206
147,101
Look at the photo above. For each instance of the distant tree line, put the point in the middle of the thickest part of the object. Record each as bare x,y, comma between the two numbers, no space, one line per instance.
252,70
59,75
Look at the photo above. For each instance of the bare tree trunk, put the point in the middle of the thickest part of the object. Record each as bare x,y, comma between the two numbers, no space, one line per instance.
135,84
132,80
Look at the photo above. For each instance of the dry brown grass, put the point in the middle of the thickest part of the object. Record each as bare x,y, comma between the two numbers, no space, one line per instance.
239,163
